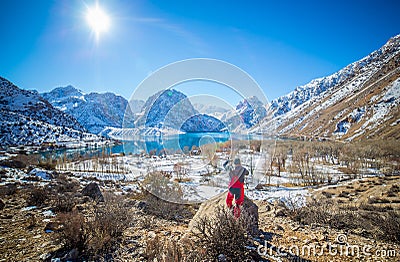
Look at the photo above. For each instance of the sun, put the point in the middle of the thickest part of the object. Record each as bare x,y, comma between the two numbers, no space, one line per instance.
98,20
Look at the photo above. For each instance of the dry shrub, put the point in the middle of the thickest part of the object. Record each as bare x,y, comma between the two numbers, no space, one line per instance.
64,184
8,189
163,198
379,222
37,197
167,250
64,203
159,185
74,233
64,192
387,225
96,235
327,212
223,234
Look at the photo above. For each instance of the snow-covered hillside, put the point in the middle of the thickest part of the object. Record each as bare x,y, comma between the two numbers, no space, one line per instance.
94,111
361,69
28,119
359,101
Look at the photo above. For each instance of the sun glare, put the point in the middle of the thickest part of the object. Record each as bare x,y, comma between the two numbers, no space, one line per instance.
98,20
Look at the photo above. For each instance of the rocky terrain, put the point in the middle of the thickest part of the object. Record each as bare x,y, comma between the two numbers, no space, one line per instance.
47,215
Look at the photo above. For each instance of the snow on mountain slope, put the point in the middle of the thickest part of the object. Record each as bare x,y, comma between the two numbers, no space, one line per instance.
211,110
172,109
28,119
365,67
202,123
94,111
248,113
31,104
18,129
349,104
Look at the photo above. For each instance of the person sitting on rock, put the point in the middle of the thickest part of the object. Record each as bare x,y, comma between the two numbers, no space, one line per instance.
236,187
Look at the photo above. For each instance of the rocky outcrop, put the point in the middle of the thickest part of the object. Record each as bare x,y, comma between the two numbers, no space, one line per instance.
93,191
209,208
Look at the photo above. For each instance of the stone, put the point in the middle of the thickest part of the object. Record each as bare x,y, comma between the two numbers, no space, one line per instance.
71,255
280,212
209,207
2,205
221,258
141,205
268,207
151,234
93,191
52,226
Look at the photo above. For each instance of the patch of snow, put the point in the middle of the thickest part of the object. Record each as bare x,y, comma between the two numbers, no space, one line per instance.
28,208
48,213
43,174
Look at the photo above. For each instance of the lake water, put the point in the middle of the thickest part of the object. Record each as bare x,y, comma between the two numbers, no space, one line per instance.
174,143
156,144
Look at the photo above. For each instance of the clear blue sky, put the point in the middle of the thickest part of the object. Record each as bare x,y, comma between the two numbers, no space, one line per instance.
281,44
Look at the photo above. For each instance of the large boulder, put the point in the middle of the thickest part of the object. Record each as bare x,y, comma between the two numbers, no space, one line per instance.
209,208
93,191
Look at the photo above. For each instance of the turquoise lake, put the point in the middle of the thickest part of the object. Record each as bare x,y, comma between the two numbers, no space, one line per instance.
157,144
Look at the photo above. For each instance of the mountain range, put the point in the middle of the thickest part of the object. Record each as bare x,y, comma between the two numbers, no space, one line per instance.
28,119
93,111
359,101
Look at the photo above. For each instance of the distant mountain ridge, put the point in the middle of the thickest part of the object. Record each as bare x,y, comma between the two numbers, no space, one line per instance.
94,111
28,119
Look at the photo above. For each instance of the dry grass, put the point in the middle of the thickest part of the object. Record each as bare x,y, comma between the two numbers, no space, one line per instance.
379,223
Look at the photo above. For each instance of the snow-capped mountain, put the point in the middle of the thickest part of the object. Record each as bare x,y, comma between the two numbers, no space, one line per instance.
202,123
172,109
359,101
211,110
247,113
94,111
27,118
251,110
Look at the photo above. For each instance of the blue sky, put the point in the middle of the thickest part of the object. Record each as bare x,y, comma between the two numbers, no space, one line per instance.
281,44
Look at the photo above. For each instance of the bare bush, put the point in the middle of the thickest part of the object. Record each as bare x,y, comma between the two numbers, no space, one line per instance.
166,249
327,212
96,235
381,223
164,198
37,197
387,226
223,234
8,189
74,233
64,202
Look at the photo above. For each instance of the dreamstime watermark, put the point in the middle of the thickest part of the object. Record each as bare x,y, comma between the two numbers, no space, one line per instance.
341,247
